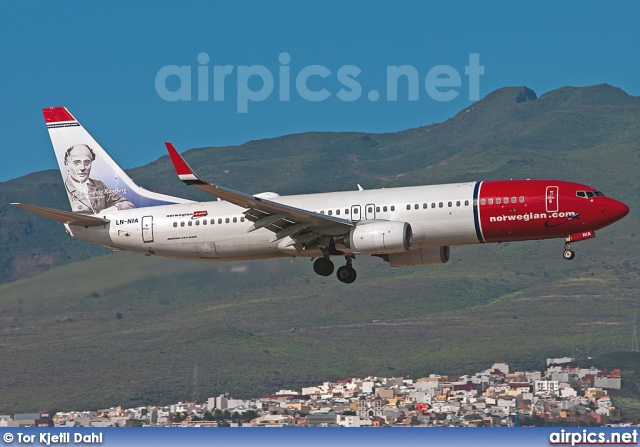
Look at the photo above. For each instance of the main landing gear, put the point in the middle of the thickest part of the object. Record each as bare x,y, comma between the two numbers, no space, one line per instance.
324,267
568,254
346,273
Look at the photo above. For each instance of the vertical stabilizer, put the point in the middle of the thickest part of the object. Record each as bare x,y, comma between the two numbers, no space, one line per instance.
93,180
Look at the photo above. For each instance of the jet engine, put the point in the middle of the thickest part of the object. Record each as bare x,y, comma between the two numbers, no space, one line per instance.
380,237
419,257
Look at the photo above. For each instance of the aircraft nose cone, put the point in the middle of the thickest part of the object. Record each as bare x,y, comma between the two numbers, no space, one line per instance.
617,209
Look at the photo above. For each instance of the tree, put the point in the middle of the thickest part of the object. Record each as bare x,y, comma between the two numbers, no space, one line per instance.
248,415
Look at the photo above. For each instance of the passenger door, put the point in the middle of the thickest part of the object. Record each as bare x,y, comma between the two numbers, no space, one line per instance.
551,199
147,229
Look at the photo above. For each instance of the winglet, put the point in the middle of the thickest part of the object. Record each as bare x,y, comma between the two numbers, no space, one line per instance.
184,171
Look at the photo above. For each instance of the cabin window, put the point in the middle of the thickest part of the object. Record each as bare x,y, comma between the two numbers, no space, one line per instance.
482,202
506,200
441,204
204,221
182,223
513,200
175,224
377,209
330,213
235,220
425,206
197,222
337,212
321,211
466,203
490,201
497,201
433,205
521,199
242,219
190,223
393,208
408,207
369,209
220,220
458,203
346,211
384,208
226,220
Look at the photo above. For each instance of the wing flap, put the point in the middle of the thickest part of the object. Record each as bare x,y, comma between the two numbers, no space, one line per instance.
64,216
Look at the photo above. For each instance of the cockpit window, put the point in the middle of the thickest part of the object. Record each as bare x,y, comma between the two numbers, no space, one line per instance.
589,194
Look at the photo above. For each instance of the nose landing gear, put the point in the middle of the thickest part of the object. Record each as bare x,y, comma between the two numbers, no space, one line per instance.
568,254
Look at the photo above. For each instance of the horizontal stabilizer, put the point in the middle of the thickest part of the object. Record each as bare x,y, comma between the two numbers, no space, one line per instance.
64,216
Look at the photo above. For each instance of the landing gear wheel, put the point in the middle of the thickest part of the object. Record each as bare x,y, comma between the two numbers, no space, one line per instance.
323,266
346,274
569,254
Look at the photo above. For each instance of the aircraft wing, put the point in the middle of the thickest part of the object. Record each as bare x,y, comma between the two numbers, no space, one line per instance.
302,225
64,216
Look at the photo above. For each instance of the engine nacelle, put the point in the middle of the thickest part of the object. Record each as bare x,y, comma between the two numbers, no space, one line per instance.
420,257
380,237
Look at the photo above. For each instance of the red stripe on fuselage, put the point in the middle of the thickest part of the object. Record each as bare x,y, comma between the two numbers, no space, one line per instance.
542,209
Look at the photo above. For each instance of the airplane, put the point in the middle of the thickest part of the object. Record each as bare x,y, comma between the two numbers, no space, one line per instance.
406,227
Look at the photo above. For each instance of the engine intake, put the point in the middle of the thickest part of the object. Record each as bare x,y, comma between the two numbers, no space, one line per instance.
380,237
420,257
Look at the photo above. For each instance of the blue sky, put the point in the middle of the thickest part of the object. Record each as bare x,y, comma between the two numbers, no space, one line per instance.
101,60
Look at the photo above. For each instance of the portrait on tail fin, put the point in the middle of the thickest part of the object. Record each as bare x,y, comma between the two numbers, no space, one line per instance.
87,195
94,182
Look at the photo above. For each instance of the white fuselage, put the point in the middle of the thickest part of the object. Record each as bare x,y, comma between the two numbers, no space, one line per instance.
174,231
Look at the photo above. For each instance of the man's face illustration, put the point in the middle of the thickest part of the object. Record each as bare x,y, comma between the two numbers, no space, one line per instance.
79,163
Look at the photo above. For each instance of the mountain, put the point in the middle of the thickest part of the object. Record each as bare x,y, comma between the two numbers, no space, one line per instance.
569,133
81,329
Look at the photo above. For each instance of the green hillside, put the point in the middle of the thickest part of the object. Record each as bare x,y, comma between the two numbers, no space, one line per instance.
255,327
587,134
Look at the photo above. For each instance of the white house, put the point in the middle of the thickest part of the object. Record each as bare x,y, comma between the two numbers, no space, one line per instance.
353,421
545,386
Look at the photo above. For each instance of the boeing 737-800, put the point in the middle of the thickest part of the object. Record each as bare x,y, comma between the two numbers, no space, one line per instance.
407,227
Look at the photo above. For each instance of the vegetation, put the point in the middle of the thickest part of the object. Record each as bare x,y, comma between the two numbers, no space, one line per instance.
273,325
